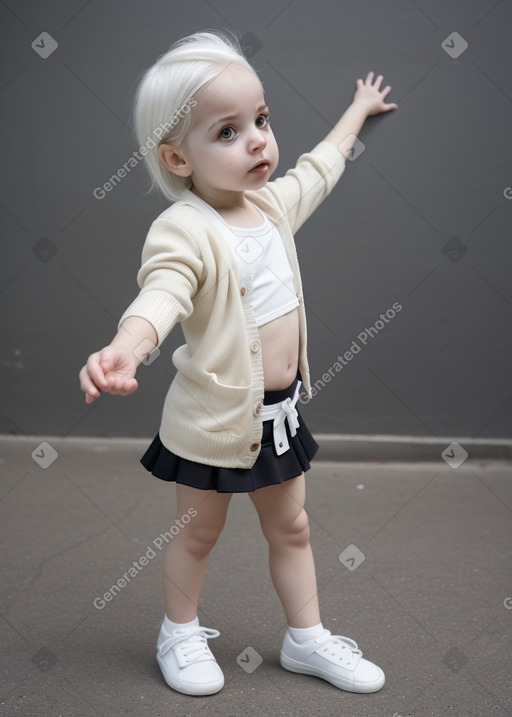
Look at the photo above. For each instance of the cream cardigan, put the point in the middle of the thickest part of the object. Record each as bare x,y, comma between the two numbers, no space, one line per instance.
212,410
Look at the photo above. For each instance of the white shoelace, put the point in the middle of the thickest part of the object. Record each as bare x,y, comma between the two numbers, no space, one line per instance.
195,646
342,649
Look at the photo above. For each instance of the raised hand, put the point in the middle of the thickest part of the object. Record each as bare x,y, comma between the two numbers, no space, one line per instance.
370,95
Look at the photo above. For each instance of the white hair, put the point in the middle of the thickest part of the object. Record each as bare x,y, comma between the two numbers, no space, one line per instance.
165,98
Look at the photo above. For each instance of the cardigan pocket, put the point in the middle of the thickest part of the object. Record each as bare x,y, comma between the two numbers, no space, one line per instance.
226,408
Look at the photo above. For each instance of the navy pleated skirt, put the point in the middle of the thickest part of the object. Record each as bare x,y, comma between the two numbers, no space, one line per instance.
269,469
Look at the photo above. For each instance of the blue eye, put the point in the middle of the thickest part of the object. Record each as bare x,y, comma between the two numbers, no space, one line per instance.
225,133
263,121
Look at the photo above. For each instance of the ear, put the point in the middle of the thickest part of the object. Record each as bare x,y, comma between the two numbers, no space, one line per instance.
175,160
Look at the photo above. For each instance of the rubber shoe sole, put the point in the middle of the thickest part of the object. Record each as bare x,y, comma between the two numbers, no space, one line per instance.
338,681
189,688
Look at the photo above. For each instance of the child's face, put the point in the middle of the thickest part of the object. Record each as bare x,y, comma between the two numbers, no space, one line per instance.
230,146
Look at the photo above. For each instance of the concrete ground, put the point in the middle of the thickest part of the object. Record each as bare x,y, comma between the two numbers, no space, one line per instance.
413,562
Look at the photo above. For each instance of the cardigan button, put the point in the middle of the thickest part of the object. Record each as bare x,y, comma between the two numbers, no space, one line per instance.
256,409
255,346
254,447
242,291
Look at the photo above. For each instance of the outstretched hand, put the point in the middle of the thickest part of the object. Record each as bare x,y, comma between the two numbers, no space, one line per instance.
111,370
371,96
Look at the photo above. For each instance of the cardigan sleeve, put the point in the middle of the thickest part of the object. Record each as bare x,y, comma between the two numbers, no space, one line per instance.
303,188
169,277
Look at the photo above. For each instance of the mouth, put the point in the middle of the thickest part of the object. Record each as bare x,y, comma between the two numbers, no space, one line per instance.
261,166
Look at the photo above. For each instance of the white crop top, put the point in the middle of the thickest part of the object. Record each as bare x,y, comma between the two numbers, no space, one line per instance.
261,256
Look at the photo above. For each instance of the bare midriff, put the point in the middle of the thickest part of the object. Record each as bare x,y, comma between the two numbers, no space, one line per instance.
280,350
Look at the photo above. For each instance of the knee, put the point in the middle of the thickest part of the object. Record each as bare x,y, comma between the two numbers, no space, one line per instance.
295,533
200,539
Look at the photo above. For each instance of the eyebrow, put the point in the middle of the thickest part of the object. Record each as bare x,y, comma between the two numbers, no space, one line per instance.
232,117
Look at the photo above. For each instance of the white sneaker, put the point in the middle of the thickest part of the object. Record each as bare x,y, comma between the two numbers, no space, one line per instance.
187,662
334,658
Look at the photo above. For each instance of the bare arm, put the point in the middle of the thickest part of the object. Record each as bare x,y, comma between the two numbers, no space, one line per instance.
368,100
113,368
138,335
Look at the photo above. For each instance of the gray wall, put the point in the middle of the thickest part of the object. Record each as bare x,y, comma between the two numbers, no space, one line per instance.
421,217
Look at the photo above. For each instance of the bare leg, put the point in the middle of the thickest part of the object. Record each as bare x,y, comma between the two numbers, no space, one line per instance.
286,527
186,556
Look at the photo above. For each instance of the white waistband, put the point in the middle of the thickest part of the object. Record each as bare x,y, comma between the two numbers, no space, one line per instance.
279,413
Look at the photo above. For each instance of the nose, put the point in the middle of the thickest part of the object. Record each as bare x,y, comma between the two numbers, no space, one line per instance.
257,140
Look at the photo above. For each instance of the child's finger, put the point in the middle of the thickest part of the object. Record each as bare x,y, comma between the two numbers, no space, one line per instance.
87,386
106,366
96,372
109,374
378,82
123,387
129,386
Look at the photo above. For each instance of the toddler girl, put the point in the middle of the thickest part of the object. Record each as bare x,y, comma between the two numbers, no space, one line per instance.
222,261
